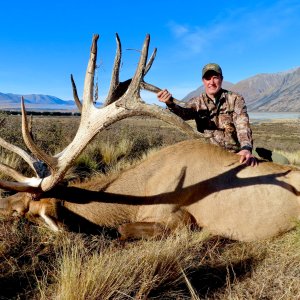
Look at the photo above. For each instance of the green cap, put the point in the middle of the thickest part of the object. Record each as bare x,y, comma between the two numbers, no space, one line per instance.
211,67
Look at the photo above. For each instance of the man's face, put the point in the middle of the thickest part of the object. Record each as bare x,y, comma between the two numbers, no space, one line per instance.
212,82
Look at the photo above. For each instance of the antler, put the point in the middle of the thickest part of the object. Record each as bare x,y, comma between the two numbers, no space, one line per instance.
117,88
123,101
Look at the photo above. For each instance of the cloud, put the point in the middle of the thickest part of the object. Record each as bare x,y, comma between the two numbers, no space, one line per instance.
178,29
238,28
194,39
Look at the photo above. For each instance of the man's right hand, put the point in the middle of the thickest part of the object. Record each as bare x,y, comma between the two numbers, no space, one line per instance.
165,97
247,158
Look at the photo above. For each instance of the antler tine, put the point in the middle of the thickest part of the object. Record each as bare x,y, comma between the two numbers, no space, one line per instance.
117,88
50,161
89,77
12,173
154,89
150,87
28,186
134,88
24,183
75,94
150,62
115,81
91,122
22,153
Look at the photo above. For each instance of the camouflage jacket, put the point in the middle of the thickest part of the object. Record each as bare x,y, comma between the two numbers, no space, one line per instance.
225,122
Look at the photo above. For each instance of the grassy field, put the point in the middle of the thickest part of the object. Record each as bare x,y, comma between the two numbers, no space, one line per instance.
36,263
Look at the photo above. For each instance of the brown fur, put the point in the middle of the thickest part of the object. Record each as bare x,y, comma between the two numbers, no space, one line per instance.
181,184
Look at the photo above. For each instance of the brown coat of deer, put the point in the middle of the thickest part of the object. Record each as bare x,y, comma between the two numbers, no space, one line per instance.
188,183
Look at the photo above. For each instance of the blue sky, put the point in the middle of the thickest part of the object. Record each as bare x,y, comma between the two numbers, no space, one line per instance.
43,42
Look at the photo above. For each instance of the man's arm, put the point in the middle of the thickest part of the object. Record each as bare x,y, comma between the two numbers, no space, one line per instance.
186,113
244,133
242,125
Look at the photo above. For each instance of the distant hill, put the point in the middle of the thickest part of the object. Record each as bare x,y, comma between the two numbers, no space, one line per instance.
277,92
35,101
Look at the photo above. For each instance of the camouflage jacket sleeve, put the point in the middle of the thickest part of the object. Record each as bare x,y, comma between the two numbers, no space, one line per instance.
241,122
188,112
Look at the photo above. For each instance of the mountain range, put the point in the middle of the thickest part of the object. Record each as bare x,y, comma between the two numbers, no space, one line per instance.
277,92
35,101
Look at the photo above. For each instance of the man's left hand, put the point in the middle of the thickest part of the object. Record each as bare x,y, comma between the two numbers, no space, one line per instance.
247,158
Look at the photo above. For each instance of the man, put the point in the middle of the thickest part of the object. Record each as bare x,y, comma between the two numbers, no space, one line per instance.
219,113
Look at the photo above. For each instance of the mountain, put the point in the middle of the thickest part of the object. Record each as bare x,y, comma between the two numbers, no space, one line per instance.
35,101
277,92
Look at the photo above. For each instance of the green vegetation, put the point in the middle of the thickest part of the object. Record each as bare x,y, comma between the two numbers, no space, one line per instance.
36,263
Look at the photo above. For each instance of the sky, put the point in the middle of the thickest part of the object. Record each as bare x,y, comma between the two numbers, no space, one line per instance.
43,42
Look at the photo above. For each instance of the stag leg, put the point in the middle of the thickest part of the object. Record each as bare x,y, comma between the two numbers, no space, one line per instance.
51,222
142,230
47,210
154,227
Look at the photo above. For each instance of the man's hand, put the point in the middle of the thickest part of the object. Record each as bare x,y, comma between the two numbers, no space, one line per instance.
247,158
164,96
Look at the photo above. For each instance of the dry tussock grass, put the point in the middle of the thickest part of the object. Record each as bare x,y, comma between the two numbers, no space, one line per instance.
119,271
293,157
276,275
38,264
10,159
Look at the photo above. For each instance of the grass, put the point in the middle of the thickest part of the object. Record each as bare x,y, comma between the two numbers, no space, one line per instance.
276,276
117,272
10,159
36,263
293,157
281,135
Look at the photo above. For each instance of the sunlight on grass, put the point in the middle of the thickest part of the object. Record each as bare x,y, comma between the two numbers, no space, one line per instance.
11,159
135,270
112,152
293,157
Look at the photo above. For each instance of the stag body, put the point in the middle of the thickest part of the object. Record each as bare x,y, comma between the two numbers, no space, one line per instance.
195,182
175,187
183,184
